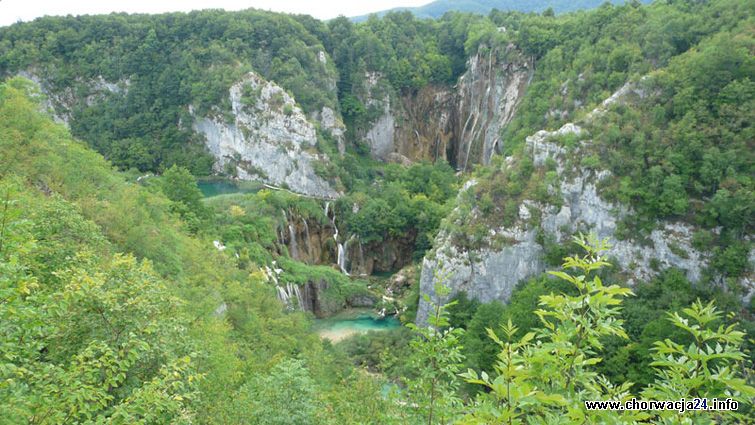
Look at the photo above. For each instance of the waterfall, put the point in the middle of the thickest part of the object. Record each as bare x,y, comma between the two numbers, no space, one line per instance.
293,247
335,228
287,294
306,245
342,258
343,255
297,293
283,295
341,248
282,228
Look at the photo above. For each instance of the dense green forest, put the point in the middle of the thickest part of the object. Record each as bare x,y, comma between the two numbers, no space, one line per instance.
127,296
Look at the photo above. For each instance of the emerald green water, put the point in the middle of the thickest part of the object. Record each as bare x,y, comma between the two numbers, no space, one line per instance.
353,322
212,188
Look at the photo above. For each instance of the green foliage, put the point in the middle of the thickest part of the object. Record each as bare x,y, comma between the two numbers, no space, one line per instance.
406,203
180,186
287,395
161,64
436,359
384,352
708,367
698,151
546,374
112,312
99,338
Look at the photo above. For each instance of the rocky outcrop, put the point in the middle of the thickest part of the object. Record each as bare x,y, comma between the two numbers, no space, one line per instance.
461,124
384,256
318,242
315,301
267,138
491,273
411,127
308,241
488,95
60,104
331,123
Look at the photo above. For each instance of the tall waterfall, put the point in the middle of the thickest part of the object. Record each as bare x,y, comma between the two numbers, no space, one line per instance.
306,242
293,246
342,258
340,249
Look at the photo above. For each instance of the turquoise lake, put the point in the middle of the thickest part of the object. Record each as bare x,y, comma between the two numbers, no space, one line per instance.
212,188
349,323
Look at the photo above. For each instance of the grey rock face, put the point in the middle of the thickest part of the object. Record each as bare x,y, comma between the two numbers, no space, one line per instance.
488,274
484,275
331,122
488,95
269,139
461,125
380,136
60,105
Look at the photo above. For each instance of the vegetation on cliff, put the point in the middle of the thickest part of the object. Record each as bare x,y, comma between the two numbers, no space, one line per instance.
130,298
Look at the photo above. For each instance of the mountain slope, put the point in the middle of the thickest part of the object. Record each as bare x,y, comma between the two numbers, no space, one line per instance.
438,8
113,311
644,169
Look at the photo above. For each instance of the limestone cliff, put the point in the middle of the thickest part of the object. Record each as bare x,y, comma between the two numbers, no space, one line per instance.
411,127
318,241
82,93
267,137
491,271
488,95
459,124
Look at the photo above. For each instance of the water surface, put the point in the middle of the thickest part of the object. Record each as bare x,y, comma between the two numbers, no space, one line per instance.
353,322
217,187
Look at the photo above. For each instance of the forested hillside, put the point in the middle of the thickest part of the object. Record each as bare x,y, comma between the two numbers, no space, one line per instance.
112,312
531,210
438,8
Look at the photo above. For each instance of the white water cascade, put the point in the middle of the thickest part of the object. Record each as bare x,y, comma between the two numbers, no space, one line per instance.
342,258
343,255
290,296
293,246
341,249
305,245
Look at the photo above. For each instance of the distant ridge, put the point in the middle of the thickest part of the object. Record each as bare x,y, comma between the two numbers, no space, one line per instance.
438,8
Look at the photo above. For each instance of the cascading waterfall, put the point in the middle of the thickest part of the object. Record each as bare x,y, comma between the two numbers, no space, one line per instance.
282,237
305,245
343,251
297,294
290,295
293,246
340,248
342,258
287,292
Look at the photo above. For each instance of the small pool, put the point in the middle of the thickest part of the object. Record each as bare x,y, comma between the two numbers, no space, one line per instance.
212,188
353,322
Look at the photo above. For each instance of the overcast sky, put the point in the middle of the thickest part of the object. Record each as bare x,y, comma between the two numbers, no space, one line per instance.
26,10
